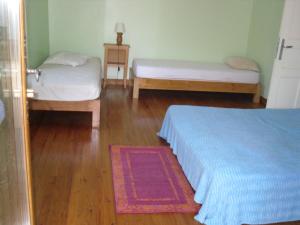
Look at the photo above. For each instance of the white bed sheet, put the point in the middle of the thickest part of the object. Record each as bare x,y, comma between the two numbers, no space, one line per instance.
67,83
194,71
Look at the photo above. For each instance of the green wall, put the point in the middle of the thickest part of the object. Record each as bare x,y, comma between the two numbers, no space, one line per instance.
37,31
77,25
264,35
206,30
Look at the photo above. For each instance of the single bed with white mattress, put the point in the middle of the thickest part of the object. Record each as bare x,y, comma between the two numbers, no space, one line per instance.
67,83
63,86
189,70
170,73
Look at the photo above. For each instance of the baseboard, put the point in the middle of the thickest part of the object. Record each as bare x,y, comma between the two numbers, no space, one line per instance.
116,82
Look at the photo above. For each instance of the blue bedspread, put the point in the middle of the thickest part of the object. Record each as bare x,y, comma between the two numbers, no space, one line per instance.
243,164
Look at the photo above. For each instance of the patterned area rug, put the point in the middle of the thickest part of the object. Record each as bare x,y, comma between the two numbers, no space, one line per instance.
150,180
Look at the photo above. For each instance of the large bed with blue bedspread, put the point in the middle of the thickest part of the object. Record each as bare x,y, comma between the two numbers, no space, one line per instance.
244,164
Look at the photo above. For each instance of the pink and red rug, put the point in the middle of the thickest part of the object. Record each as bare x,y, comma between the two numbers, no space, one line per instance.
150,180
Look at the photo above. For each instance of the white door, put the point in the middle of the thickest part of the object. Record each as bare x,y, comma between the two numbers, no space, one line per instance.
285,82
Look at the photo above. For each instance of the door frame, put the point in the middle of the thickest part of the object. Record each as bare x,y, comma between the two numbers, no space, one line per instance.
25,113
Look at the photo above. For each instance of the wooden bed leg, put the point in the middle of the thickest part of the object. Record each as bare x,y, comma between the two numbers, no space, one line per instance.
256,97
96,115
95,119
136,88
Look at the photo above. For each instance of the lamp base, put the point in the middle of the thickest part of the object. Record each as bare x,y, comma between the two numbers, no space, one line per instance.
119,38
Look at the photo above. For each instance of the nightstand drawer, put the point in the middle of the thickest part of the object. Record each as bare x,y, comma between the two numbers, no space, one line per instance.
116,56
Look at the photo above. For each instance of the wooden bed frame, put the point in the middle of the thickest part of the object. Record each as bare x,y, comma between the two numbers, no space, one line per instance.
92,106
184,85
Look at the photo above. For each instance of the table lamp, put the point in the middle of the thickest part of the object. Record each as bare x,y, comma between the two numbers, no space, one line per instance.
120,29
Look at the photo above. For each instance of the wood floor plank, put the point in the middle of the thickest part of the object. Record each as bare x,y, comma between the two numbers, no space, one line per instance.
71,165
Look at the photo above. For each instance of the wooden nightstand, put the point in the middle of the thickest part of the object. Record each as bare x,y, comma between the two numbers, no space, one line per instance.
116,55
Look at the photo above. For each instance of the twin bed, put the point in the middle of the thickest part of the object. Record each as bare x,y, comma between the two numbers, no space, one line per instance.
193,76
243,164
68,88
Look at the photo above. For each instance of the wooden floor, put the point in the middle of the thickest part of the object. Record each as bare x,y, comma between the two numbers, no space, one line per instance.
71,165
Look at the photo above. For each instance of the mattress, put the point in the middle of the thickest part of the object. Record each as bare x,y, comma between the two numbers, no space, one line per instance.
243,164
67,83
192,71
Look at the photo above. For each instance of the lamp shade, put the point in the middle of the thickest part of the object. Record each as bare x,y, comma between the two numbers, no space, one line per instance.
120,28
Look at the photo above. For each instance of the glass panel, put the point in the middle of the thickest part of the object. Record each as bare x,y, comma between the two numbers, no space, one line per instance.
14,197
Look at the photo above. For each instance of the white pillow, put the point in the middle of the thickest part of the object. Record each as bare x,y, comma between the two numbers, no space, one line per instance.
242,63
67,58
